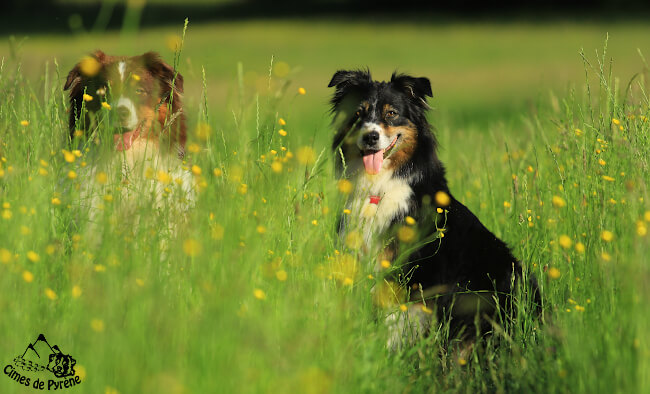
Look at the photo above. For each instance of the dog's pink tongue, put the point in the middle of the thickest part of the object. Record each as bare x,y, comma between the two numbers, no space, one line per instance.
124,141
373,162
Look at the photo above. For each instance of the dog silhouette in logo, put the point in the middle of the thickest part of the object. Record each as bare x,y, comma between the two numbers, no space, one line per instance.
61,365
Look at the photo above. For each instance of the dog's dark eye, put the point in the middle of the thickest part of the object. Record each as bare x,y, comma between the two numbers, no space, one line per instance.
391,114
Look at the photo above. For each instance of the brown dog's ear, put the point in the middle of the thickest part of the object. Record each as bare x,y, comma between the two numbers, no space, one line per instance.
170,79
89,66
74,77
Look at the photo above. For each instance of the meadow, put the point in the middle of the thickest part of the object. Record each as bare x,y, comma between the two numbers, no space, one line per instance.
249,289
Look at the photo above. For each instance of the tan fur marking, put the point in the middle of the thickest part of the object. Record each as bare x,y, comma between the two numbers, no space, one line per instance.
407,144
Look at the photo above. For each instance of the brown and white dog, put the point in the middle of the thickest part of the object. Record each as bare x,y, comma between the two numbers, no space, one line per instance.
144,91
128,110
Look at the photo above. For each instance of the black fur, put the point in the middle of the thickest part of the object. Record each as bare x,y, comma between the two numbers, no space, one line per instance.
469,259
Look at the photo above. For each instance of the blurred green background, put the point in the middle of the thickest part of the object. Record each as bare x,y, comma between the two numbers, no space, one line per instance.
486,64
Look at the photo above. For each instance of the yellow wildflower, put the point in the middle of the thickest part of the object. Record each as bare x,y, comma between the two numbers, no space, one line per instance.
403,308
49,293
76,291
281,275
282,132
28,276
344,186
506,204
164,177
580,247
106,105
554,273
606,235
97,325
68,156
558,202
306,155
385,264
192,247
565,241
89,66
410,221
641,228
259,294
72,174
302,91
5,256
426,310
282,122
194,148
203,131
261,229
101,178
87,97
442,198
196,170
608,178
24,123
276,167
406,234
33,256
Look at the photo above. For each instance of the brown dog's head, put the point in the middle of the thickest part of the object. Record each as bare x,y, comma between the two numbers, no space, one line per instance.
136,90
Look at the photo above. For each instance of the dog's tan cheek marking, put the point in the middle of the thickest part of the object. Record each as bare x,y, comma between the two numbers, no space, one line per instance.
146,115
406,147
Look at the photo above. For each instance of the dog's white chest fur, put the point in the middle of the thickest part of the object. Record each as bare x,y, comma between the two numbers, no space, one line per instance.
373,219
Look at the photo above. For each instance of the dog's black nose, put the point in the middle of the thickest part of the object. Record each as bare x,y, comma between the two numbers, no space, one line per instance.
123,112
371,138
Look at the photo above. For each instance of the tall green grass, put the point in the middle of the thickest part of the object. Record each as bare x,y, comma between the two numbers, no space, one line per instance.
248,289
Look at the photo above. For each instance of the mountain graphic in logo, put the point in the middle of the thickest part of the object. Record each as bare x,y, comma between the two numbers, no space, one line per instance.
40,356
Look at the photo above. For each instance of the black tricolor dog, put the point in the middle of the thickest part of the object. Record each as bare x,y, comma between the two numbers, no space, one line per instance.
385,146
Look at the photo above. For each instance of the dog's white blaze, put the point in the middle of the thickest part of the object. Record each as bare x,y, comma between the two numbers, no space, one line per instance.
121,67
367,127
395,194
132,120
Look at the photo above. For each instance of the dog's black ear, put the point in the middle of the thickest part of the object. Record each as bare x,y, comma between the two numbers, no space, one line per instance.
418,88
170,79
343,78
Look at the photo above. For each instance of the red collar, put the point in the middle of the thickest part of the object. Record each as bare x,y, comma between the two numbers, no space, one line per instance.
375,200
